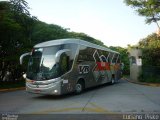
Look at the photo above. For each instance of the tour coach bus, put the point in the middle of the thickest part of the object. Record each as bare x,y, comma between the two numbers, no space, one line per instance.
70,65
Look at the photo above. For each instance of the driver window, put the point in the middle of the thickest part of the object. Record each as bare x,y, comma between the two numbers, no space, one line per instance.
64,63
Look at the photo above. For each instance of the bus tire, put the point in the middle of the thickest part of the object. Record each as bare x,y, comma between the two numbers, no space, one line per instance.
79,87
112,80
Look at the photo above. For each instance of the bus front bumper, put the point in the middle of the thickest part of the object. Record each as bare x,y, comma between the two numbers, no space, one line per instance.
39,87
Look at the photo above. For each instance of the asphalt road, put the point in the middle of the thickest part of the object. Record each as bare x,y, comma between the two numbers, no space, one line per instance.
123,97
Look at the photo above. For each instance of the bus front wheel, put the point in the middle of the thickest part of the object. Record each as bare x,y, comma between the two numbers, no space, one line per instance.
79,87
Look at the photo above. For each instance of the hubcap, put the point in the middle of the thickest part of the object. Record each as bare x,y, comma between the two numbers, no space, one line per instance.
112,80
78,88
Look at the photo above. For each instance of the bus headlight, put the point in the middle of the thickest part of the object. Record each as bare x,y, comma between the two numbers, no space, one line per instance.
24,76
55,91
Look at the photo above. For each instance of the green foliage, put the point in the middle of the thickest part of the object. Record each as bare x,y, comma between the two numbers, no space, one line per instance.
44,32
12,84
149,76
20,31
150,45
151,41
19,7
15,25
84,36
148,8
151,58
151,49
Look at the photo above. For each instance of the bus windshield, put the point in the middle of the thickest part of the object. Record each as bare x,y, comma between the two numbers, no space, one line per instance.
51,62
42,64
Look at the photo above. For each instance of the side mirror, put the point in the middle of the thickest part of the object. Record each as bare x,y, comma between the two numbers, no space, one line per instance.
22,56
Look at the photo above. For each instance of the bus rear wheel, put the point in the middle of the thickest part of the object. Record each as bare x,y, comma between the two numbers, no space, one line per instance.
79,87
112,81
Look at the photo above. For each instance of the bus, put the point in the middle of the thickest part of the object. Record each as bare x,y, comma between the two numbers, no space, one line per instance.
62,66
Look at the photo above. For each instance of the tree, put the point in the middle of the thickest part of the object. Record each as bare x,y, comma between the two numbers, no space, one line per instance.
147,8
151,49
151,41
16,25
44,32
20,7
19,31
21,14
85,37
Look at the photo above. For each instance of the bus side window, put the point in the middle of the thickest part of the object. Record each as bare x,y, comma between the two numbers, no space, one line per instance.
114,58
79,58
109,59
89,53
85,54
103,59
118,61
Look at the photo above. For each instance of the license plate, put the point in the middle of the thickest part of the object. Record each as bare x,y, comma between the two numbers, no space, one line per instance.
37,91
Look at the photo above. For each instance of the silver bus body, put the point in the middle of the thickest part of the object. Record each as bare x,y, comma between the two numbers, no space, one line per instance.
55,67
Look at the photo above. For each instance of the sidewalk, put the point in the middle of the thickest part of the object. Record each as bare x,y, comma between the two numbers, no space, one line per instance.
12,89
142,83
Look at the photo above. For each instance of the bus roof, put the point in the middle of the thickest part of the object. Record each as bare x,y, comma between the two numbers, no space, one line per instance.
72,40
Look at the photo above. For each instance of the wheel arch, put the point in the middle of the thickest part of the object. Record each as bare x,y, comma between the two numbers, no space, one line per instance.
113,76
82,80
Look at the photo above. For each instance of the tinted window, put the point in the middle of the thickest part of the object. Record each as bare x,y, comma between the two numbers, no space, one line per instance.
114,59
119,59
85,54
44,63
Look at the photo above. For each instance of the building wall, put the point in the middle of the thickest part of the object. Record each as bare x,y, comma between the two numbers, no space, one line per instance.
135,56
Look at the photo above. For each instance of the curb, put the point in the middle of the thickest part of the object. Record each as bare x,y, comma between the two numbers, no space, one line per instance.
12,89
147,84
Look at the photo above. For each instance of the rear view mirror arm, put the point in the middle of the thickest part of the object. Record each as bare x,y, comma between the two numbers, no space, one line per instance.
22,56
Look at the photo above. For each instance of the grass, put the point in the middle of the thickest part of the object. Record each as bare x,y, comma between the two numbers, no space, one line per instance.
149,79
12,84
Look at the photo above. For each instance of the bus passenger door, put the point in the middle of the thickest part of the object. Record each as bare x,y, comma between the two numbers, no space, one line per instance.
106,68
99,71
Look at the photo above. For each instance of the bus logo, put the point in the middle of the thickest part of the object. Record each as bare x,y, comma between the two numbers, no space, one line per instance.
83,69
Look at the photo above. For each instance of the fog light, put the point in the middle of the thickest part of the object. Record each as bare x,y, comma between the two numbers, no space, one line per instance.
55,91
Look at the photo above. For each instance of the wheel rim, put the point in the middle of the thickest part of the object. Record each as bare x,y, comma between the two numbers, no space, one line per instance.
112,81
78,88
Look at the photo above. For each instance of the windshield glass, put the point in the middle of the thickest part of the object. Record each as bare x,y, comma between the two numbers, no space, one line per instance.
45,63
42,64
